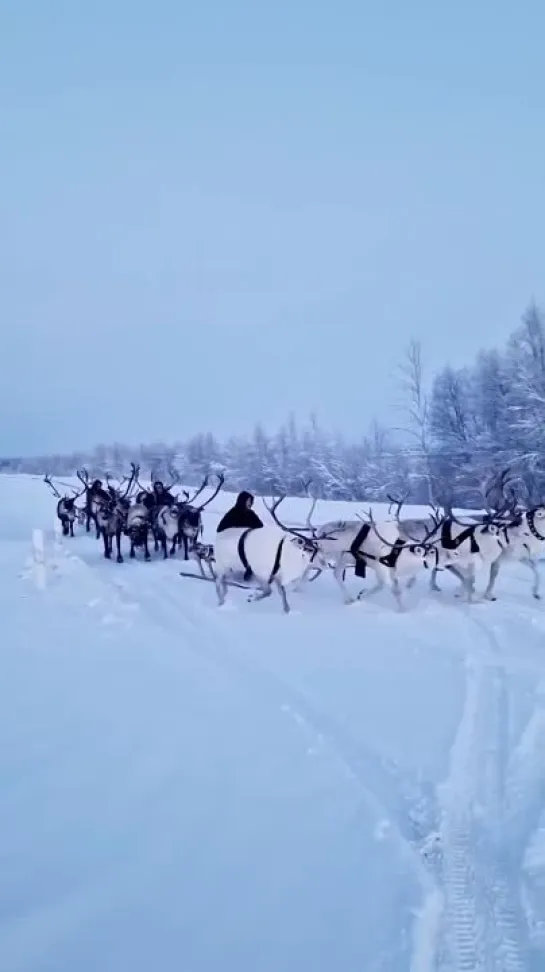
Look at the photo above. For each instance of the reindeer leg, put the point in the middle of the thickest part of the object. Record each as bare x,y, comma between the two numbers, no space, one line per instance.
468,583
164,546
260,595
380,573
434,586
529,563
494,571
396,591
132,554
282,591
147,555
221,589
372,590
118,545
107,552
186,548
339,573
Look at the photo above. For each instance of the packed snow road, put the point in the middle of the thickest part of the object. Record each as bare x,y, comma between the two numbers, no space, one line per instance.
346,788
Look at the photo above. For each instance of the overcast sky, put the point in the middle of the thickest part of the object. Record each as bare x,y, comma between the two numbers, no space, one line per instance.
214,213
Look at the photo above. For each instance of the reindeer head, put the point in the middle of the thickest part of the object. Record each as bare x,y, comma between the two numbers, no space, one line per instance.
66,503
308,544
69,503
424,554
490,528
190,521
190,515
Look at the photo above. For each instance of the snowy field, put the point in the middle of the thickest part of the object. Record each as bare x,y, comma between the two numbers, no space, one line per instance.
344,789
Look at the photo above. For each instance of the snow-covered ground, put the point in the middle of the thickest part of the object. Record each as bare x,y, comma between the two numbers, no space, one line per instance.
182,789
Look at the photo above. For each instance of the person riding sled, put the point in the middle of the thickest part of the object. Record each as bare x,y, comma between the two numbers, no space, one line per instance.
241,516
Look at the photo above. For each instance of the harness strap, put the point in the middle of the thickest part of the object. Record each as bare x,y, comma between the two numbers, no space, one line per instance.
242,551
244,559
390,559
530,518
452,543
361,535
276,565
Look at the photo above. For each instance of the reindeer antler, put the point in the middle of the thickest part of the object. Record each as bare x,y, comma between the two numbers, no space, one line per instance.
396,502
371,521
272,510
175,476
83,477
203,486
135,476
54,490
221,480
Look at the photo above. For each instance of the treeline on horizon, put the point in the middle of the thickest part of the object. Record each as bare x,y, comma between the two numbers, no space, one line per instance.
460,427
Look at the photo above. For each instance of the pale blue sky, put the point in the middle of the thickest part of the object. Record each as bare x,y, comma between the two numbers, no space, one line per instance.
215,212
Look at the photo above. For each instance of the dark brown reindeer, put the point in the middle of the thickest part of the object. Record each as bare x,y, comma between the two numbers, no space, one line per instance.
112,514
67,511
95,494
190,526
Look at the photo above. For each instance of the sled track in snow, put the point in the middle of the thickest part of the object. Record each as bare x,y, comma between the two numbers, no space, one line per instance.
378,778
481,925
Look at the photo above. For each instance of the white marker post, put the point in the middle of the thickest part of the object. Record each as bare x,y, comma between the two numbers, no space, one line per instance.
38,552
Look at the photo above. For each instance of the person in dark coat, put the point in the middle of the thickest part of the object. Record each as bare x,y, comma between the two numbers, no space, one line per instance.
241,516
161,496
96,491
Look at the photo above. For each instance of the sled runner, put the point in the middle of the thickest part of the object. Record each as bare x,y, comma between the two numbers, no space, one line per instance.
210,580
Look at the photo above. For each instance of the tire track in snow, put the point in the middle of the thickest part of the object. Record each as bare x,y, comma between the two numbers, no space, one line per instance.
483,926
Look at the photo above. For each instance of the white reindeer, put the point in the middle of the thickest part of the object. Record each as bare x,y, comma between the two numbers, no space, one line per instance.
167,527
460,546
277,557
523,529
524,542
362,544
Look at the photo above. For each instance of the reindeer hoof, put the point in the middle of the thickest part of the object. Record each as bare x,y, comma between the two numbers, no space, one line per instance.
537,597
120,559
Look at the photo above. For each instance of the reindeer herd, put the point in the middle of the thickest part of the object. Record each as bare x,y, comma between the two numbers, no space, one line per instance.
132,510
396,549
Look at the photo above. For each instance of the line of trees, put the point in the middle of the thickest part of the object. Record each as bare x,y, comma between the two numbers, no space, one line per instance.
458,428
